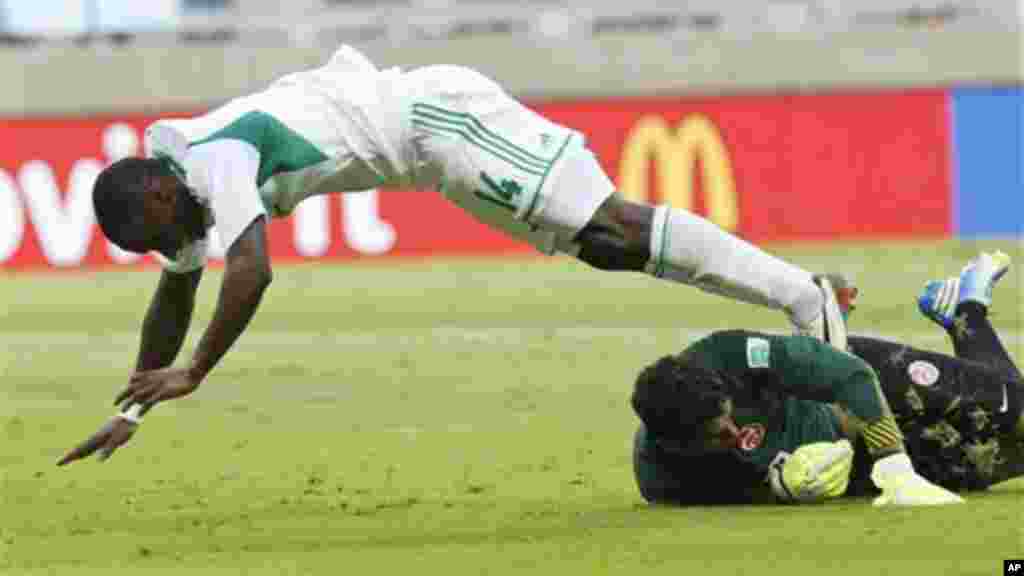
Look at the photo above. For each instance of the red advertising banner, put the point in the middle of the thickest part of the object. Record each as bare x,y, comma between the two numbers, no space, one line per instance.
771,168
779,168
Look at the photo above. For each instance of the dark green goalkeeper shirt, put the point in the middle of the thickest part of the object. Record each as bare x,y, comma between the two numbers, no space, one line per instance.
785,386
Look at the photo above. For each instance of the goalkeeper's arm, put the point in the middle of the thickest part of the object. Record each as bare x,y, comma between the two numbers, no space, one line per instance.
854,385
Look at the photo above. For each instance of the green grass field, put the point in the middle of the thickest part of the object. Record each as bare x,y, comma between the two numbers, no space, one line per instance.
432,418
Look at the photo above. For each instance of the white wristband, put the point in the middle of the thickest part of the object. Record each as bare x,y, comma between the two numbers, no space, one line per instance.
132,414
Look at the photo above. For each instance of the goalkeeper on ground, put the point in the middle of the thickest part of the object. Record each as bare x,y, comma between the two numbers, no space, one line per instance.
742,416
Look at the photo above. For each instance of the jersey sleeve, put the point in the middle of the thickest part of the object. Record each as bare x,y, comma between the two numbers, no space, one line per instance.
798,366
814,370
227,171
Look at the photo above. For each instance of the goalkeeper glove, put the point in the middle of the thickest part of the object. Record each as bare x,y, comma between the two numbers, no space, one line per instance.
902,486
812,473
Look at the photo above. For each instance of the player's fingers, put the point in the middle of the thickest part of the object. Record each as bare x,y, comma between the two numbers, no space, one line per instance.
146,397
146,406
159,395
120,435
107,451
82,450
123,396
70,457
139,394
138,381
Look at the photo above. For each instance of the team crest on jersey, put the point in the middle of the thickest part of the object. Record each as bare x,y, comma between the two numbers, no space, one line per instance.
759,352
750,437
923,373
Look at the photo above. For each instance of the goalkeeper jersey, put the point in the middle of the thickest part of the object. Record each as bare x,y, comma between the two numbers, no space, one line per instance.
782,388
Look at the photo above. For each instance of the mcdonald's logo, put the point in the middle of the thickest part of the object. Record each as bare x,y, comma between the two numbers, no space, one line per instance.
675,155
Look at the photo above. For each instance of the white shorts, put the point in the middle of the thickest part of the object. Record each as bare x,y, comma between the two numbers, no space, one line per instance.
503,163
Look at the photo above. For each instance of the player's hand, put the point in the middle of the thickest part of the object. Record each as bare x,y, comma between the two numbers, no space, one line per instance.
902,486
106,440
154,386
812,473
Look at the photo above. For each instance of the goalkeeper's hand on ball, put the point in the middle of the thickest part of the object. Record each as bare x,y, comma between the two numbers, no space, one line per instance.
812,473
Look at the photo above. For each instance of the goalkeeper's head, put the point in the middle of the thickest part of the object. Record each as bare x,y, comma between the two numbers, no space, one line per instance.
688,408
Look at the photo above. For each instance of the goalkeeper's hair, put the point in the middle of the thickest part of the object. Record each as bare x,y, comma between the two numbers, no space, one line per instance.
675,397
118,197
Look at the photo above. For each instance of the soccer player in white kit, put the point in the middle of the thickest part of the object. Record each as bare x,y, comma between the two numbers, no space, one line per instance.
348,126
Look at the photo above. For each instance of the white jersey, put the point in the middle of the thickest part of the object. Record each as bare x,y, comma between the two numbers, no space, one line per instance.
348,126
340,127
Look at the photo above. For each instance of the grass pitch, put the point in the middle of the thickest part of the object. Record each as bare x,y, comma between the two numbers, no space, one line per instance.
432,418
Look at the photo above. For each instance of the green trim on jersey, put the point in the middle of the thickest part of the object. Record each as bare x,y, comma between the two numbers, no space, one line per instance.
173,166
544,177
281,148
473,129
467,134
440,121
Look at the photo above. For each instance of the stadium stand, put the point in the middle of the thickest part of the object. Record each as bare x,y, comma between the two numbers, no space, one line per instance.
315,22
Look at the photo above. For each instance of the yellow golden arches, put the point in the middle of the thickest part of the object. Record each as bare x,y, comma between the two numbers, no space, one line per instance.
675,156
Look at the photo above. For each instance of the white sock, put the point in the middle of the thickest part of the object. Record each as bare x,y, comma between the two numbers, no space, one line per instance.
692,250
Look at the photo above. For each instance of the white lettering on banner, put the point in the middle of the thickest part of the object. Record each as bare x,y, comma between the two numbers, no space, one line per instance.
64,222
63,228
312,227
365,232
120,141
12,220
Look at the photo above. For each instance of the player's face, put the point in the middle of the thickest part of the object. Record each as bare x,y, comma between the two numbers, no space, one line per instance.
717,435
720,434
164,221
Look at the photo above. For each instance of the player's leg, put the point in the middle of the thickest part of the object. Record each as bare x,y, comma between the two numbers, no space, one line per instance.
960,306
955,414
680,246
925,384
536,180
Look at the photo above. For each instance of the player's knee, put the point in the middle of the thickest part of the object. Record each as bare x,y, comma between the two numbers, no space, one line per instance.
618,236
631,220
606,249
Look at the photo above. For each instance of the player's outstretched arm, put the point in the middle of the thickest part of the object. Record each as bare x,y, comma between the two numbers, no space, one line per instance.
167,320
163,333
246,276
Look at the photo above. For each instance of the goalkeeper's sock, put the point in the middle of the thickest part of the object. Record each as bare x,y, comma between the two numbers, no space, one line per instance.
692,250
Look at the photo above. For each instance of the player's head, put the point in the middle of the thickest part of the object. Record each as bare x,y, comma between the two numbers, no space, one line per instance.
142,206
687,407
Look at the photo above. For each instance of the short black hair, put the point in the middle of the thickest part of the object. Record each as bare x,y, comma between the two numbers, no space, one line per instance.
675,397
118,197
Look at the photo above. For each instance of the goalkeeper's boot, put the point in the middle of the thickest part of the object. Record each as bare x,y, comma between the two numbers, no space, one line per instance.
839,300
940,298
902,486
